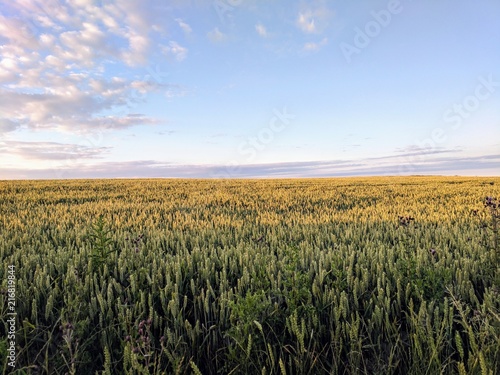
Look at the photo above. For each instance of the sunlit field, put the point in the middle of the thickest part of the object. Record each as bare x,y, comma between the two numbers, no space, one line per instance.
393,275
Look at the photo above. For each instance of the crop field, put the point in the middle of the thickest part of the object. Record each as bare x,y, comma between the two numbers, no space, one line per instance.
386,275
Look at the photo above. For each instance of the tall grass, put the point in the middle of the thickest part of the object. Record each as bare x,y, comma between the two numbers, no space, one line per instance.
320,276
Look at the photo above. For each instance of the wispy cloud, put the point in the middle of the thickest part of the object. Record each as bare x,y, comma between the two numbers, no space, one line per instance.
306,23
175,50
261,30
314,17
315,46
415,151
51,150
387,165
184,26
216,36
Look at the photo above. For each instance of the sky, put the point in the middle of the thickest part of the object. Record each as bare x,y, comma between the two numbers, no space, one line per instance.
248,88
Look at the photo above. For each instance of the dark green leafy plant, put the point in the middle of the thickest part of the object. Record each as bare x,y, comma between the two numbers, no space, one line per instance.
101,243
245,311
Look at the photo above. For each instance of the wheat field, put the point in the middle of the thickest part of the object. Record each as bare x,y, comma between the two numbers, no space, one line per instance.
386,275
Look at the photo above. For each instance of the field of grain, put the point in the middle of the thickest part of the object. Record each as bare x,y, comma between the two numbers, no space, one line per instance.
393,275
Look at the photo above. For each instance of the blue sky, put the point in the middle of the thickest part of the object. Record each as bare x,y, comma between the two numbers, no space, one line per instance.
242,88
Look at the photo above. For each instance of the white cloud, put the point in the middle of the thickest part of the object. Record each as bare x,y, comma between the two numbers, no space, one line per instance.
175,50
74,102
314,17
82,32
305,22
47,40
6,75
216,36
9,69
138,47
55,57
18,32
261,30
55,62
184,26
315,47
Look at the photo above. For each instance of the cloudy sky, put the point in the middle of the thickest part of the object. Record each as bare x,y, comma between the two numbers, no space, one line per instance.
247,88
